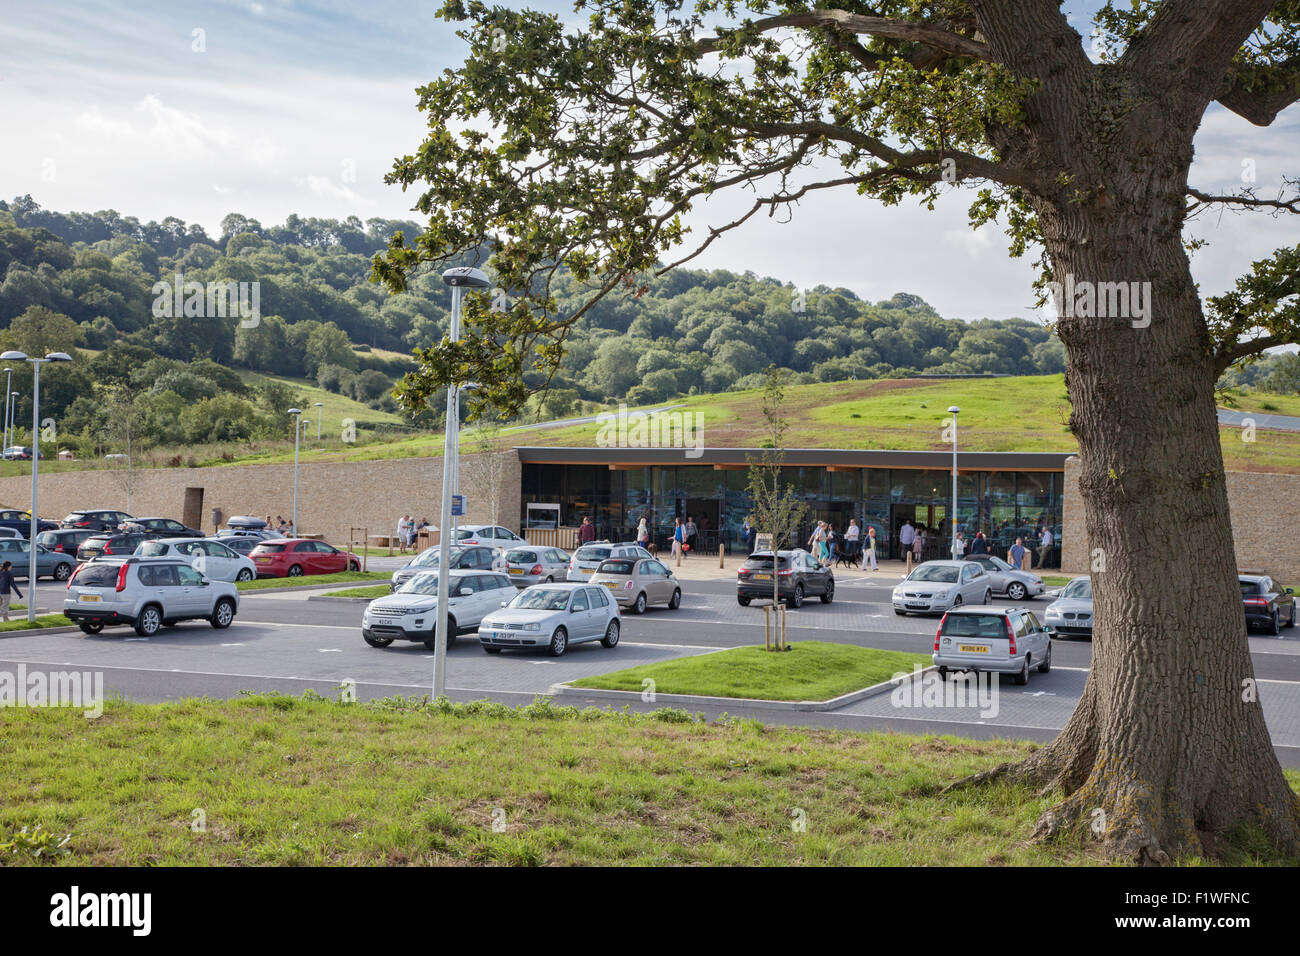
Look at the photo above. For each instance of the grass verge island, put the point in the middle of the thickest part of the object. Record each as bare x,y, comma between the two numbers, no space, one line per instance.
373,591
286,780
340,577
810,670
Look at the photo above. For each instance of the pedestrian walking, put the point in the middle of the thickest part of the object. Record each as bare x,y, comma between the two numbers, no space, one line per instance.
586,531
643,533
959,547
8,587
1016,556
980,545
906,537
870,554
679,538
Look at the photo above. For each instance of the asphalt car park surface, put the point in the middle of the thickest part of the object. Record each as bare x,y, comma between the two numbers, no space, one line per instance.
287,642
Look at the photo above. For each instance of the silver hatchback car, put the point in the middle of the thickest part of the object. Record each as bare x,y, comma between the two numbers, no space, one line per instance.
938,586
535,565
995,639
638,582
552,616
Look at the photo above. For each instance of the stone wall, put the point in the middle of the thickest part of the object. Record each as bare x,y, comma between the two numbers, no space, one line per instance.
1265,510
332,496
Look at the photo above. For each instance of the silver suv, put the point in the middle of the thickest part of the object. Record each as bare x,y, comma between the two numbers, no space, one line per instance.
1001,640
587,559
147,593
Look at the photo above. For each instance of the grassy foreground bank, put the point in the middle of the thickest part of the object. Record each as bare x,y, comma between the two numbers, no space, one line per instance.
810,670
282,780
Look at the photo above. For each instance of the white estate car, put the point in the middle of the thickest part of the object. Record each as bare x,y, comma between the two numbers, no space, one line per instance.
552,616
216,560
491,535
411,612
588,558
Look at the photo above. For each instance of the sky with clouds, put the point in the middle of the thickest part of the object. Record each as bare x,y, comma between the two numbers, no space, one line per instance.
269,107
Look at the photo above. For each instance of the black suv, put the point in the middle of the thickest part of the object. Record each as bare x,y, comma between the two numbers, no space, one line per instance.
100,520
64,540
118,543
798,575
1267,603
167,528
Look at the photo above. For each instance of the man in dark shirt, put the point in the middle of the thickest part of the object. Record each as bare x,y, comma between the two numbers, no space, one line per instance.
980,545
8,587
587,532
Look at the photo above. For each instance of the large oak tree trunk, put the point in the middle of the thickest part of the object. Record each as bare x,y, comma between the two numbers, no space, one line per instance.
1168,742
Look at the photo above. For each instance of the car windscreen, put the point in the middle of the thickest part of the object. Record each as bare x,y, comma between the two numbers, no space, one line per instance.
269,549
1082,590
152,549
98,576
983,626
938,573
425,584
617,566
593,554
428,558
521,557
541,599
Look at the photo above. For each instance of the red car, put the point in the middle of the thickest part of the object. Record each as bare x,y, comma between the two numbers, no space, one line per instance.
293,557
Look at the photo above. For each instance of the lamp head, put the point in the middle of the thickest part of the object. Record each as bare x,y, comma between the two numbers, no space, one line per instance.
466,276
295,411
14,356
953,409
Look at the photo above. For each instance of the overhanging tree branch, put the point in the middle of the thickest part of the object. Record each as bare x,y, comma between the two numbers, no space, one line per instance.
936,37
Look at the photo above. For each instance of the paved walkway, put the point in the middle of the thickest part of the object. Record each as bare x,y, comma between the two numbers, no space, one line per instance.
1288,423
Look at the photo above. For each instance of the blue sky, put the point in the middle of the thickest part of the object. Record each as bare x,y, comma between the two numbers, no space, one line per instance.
301,106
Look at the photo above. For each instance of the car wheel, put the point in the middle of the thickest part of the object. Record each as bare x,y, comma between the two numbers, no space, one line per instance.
943,673
223,613
64,571
830,593
1016,591
743,601
988,597
1291,623
295,571
353,566
149,622
611,635
639,606
432,642
958,602
91,627
1022,676
676,602
1275,626
490,650
797,600
244,575
559,642
1046,666
377,641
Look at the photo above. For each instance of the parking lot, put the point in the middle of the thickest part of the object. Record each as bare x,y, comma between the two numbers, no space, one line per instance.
290,642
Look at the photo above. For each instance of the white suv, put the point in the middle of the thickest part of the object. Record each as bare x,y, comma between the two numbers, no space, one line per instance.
411,613
208,557
147,593
589,557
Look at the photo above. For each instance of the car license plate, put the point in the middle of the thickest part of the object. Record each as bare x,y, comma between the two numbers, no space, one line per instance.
88,598
261,560
973,648
516,570
611,585
762,577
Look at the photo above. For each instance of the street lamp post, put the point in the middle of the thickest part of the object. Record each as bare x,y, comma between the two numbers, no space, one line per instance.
9,376
953,410
297,434
13,356
459,279
13,410
319,410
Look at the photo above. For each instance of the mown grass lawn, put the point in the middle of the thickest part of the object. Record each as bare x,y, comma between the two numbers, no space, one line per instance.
261,584
284,781
810,670
42,620
377,590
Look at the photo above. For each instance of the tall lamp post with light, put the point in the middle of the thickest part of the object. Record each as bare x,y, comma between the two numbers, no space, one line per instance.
319,412
13,410
297,434
9,378
459,278
953,410
13,356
